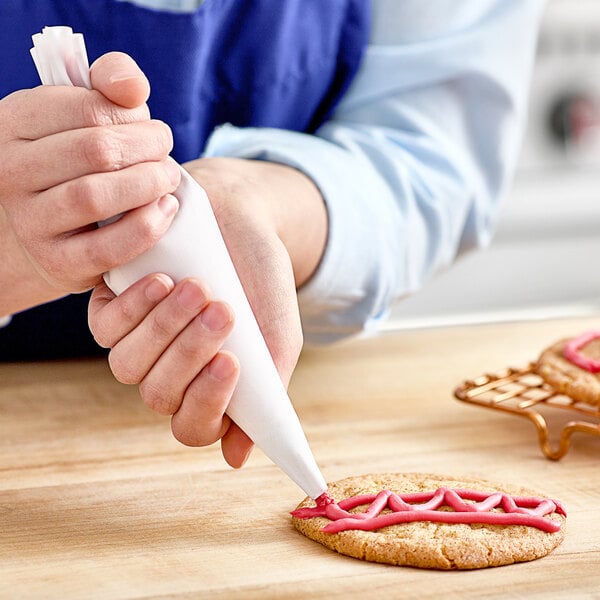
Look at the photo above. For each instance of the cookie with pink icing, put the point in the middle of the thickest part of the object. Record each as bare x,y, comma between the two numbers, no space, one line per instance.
432,521
572,367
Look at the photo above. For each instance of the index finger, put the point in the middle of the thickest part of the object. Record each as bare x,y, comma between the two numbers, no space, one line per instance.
112,318
48,109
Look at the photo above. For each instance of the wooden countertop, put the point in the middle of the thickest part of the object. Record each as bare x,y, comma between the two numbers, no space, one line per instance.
98,501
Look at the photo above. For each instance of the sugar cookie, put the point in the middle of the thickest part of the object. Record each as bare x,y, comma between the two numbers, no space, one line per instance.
572,367
450,523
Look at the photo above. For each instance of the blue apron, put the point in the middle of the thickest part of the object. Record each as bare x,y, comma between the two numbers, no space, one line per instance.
260,63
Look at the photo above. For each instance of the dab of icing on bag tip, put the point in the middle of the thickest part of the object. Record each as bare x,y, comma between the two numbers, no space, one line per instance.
260,405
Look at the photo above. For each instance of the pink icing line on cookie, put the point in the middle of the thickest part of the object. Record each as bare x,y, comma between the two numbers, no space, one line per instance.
572,352
422,506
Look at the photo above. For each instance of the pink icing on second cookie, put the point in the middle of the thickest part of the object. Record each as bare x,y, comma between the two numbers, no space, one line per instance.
572,352
422,506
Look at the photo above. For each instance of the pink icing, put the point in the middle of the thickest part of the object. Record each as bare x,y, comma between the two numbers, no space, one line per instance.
572,352
422,506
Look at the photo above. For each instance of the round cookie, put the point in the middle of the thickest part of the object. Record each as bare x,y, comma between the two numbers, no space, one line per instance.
568,378
429,544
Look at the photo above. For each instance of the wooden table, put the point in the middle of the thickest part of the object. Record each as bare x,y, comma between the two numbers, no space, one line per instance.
98,501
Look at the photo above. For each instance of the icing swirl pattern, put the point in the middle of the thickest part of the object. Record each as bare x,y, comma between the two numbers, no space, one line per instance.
469,506
572,352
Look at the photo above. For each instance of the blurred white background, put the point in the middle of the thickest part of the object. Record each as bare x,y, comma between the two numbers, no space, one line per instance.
543,260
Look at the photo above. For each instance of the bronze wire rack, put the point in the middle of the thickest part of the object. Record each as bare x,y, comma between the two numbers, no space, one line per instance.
524,393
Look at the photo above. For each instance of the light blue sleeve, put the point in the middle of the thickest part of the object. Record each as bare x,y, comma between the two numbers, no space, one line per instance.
417,156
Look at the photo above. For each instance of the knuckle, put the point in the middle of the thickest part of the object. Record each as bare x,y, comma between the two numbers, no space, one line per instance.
97,110
83,196
157,399
102,149
148,231
128,309
122,368
189,348
189,436
155,181
109,253
162,327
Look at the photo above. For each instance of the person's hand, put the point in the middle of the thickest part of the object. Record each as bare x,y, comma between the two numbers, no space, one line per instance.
274,223
72,157
167,338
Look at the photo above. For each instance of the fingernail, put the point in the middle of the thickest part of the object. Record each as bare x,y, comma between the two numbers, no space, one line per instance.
173,171
221,367
168,205
118,75
191,297
215,316
157,289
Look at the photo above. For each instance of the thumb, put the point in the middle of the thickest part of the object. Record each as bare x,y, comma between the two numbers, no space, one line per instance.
117,77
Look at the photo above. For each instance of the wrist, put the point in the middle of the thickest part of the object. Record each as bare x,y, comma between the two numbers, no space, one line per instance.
301,219
279,198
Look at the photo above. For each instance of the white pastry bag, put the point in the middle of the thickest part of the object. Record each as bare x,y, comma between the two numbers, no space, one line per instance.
193,246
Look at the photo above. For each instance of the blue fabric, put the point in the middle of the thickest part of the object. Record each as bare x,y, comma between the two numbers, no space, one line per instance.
416,158
263,63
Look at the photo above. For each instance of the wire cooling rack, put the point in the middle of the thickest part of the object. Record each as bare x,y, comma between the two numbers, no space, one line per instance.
524,393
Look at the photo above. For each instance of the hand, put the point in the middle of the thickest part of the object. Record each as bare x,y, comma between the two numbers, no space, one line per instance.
275,226
274,223
72,157
168,339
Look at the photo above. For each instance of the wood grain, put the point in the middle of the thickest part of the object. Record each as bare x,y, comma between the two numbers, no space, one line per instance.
97,500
